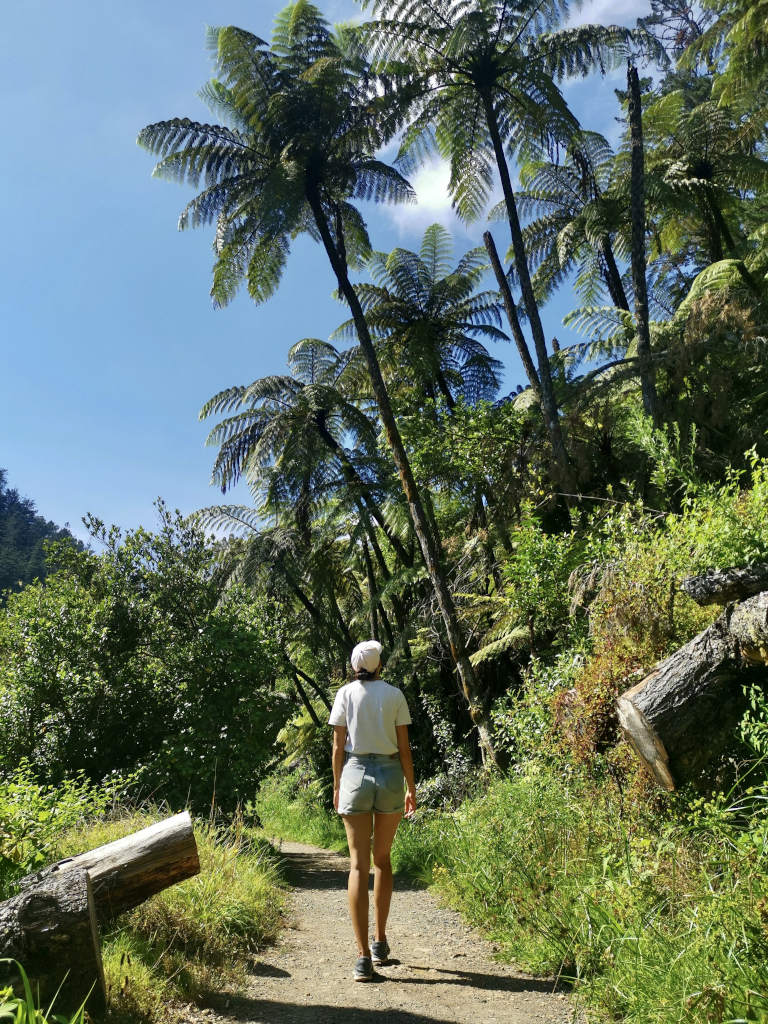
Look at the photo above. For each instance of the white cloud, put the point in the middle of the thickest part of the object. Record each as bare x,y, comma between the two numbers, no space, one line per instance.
610,12
431,185
433,202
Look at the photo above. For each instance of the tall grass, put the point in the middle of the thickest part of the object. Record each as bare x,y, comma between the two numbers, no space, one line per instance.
658,919
24,1009
193,938
292,810
185,942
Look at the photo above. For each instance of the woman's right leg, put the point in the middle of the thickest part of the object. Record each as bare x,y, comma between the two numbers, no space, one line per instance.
359,827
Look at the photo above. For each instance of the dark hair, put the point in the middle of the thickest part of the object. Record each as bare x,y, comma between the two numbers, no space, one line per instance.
364,675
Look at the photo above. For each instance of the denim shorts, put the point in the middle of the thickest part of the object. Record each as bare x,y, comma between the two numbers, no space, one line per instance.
372,782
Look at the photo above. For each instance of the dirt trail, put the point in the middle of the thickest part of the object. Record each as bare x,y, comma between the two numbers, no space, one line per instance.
441,972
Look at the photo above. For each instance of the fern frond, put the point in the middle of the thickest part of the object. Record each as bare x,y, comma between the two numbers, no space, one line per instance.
241,519
514,639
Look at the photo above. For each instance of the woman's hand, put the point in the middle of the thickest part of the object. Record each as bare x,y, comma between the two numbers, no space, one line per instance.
336,798
410,803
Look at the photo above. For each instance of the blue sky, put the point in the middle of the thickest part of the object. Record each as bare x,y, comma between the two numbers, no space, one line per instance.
110,343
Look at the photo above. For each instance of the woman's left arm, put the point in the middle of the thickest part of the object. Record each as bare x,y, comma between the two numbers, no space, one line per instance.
337,760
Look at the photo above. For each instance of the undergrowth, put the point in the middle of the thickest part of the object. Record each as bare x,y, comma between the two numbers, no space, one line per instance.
184,943
660,914
292,809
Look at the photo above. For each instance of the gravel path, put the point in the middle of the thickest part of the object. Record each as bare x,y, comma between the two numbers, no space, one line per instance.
441,972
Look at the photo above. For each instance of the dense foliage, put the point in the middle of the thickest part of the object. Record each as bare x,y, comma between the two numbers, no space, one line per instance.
334,542
135,659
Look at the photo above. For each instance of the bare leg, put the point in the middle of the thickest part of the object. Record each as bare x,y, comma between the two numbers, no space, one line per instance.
358,828
383,836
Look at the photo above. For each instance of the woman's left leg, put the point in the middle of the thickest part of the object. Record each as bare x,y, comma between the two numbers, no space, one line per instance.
385,827
358,828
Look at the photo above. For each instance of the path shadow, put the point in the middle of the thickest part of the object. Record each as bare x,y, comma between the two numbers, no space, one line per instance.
487,982
259,969
270,1011
322,871
312,870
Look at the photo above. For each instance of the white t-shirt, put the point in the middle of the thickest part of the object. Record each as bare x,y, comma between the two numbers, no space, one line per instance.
370,710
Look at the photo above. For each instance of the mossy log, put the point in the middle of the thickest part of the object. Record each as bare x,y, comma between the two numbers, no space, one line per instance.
130,870
684,712
52,931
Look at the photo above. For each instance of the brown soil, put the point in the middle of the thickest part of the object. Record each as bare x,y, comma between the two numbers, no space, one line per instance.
441,971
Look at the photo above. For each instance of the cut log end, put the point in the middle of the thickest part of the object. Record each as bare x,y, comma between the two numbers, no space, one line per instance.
685,712
52,931
645,742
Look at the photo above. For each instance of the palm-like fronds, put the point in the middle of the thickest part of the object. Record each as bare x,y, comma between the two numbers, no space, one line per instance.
303,124
576,221
704,165
428,319
468,59
738,36
286,434
609,330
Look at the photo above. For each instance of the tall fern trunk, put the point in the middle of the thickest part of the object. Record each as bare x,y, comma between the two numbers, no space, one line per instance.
306,701
612,276
398,608
373,597
429,549
512,317
548,403
637,206
312,682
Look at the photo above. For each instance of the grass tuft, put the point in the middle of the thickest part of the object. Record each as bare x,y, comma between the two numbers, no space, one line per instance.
291,810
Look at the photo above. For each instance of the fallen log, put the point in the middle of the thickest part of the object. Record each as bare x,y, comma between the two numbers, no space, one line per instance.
130,870
52,931
684,711
721,586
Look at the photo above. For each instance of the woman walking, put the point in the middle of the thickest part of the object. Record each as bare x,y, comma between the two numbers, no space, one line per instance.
371,761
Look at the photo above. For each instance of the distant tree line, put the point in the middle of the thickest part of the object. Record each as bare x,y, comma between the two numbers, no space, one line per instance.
22,537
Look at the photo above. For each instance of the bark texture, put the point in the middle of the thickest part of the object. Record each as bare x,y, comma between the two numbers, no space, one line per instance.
130,870
720,586
51,930
639,286
684,712
512,317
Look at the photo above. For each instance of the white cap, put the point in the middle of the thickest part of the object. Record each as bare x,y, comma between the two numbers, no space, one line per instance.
366,655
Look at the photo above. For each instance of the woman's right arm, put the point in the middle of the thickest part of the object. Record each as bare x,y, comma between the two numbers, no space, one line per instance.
406,760
337,760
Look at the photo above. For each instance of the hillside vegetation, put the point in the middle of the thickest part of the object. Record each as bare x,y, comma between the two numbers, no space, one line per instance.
23,534
519,556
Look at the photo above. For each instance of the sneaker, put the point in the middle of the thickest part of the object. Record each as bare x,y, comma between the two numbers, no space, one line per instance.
380,952
363,969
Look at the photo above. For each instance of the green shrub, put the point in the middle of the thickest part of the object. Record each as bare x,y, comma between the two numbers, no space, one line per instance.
33,818
136,658
24,1009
